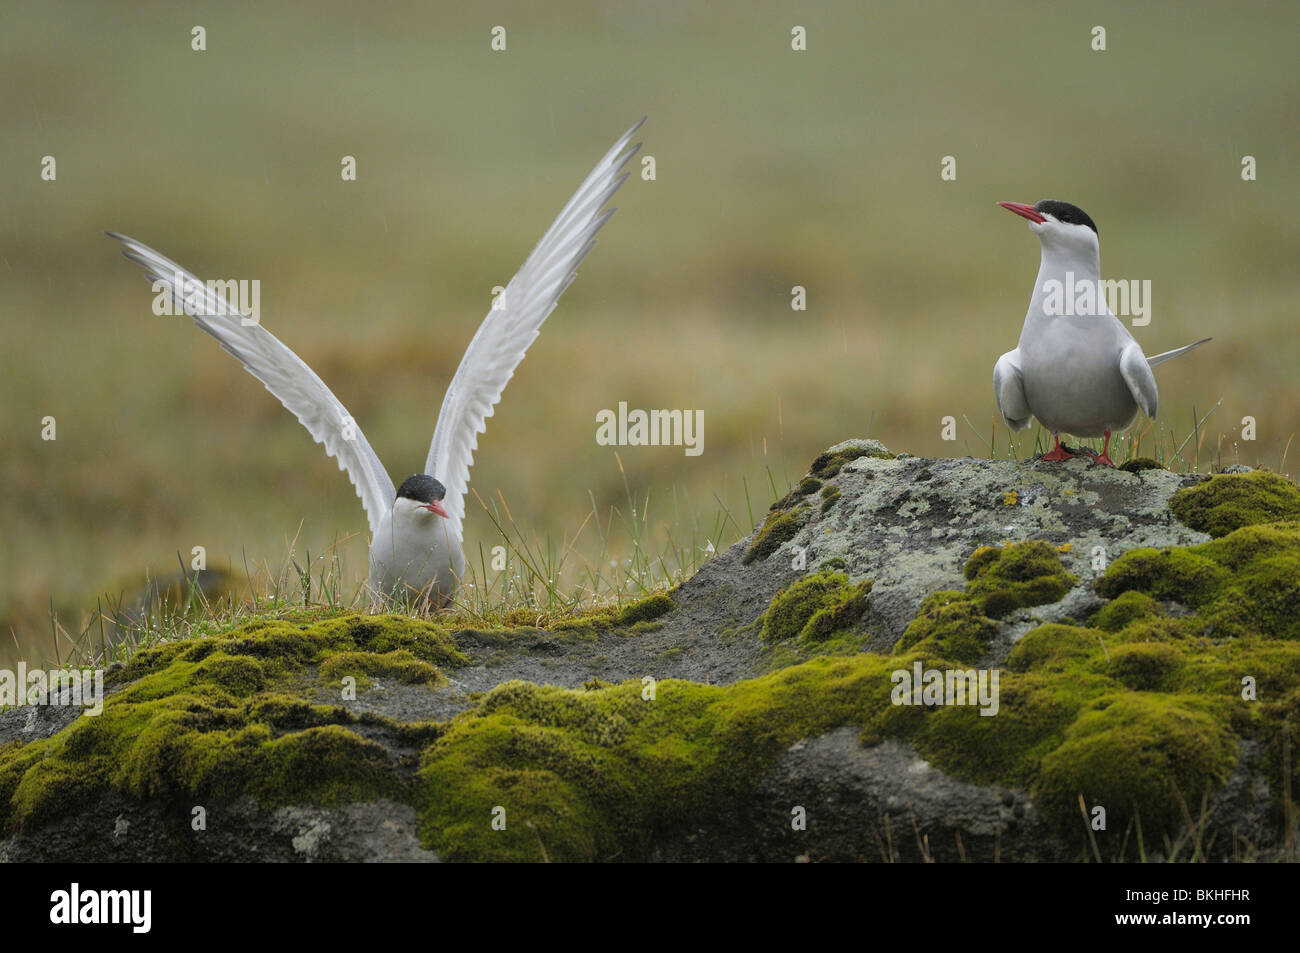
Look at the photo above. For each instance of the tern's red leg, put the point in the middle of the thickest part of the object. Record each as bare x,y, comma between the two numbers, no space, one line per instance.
1056,453
1105,453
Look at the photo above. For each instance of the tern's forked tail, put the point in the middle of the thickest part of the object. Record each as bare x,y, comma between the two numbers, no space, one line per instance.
1170,355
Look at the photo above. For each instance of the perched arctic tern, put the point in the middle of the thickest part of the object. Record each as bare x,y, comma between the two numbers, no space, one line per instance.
416,534
1081,374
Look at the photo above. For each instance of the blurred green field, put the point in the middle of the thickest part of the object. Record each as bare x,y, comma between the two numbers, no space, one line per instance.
774,169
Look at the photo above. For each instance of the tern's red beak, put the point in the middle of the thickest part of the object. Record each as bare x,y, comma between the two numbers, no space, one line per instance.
1024,211
436,507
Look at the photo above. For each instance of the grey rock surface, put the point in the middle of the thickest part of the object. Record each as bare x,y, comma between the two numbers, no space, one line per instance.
121,829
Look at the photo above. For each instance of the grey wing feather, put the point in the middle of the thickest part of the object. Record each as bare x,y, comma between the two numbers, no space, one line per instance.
512,325
291,381
1136,371
1009,390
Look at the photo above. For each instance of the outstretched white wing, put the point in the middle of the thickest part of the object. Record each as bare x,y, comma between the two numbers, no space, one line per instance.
513,323
283,373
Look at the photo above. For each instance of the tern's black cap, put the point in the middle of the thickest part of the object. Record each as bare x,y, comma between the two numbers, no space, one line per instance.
422,488
1067,213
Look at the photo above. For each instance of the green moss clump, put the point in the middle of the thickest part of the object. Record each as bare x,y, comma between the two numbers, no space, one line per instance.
145,661
1034,710
582,626
815,608
807,486
239,674
218,718
1244,583
285,713
776,530
400,665
638,616
948,626
1054,648
829,464
1124,609
389,633
1146,666
16,759
651,607
830,496
1016,576
1141,749
830,621
1180,574
982,558
596,775
1138,464
1229,501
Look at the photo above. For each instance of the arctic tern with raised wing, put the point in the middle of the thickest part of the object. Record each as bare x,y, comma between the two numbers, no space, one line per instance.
1082,374
416,530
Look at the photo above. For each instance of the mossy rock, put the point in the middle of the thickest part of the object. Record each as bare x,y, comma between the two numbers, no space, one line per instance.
778,529
1229,501
603,771
1137,707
